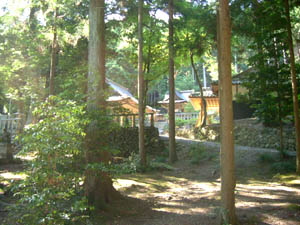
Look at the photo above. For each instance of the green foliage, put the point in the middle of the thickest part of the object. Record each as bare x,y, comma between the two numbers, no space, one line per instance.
161,159
182,122
52,192
294,207
154,165
278,165
132,165
242,98
284,166
198,154
267,158
185,80
269,81
189,107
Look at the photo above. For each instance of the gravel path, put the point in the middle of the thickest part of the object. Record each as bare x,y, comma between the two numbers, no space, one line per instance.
190,193
187,141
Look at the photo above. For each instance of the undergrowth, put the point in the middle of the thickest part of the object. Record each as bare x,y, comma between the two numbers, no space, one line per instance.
198,154
278,165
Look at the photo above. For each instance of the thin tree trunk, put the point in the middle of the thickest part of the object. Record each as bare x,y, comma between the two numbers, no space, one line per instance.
53,55
98,184
279,100
172,148
226,113
203,122
32,19
294,83
21,112
142,150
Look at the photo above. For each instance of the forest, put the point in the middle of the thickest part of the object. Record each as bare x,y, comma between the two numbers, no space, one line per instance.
175,112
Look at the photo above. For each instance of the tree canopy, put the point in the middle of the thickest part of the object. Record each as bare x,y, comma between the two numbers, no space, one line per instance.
49,60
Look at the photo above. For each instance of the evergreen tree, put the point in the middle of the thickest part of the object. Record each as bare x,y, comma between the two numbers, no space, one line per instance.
226,116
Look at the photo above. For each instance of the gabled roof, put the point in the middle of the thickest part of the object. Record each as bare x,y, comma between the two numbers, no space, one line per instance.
207,93
180,97
118,88
239,78
125,98
186,94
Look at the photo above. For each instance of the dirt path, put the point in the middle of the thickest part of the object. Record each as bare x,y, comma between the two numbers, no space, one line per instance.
189,194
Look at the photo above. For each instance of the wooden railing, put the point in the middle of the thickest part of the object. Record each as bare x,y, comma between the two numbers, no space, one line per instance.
187,116
10,124
131,120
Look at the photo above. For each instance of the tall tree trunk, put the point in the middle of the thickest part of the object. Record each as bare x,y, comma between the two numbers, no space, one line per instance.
142,150
172,149
204,108
53,55
98,184
32,19
226,113
279,99
294,83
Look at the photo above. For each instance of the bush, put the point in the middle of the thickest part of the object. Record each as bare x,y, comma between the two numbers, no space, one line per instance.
52,193
287,166
182,123
198,153
267,158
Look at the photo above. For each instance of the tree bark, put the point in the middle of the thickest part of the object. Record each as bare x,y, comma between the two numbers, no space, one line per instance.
98,184
226,113
279,99
142,150
203,122
172,149
21,112
294,84
53,55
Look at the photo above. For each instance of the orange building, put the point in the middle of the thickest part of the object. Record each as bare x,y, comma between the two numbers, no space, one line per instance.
211,96
212,104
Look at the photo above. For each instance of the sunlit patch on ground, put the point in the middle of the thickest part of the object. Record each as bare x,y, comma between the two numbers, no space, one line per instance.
289,179
27,157
193,193
13,176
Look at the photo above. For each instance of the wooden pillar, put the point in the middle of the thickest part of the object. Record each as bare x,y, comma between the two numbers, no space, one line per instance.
126,121
133,120
152,119
121,121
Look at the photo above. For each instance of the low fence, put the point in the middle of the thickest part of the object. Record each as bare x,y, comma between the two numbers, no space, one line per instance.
132,120
8,123
187,116
181,116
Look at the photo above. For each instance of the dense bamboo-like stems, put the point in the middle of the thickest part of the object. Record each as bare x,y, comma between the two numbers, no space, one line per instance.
142,150
226,112
172,148
53,55
294,84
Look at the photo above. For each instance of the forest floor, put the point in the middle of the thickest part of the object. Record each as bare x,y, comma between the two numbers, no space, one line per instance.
189,192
